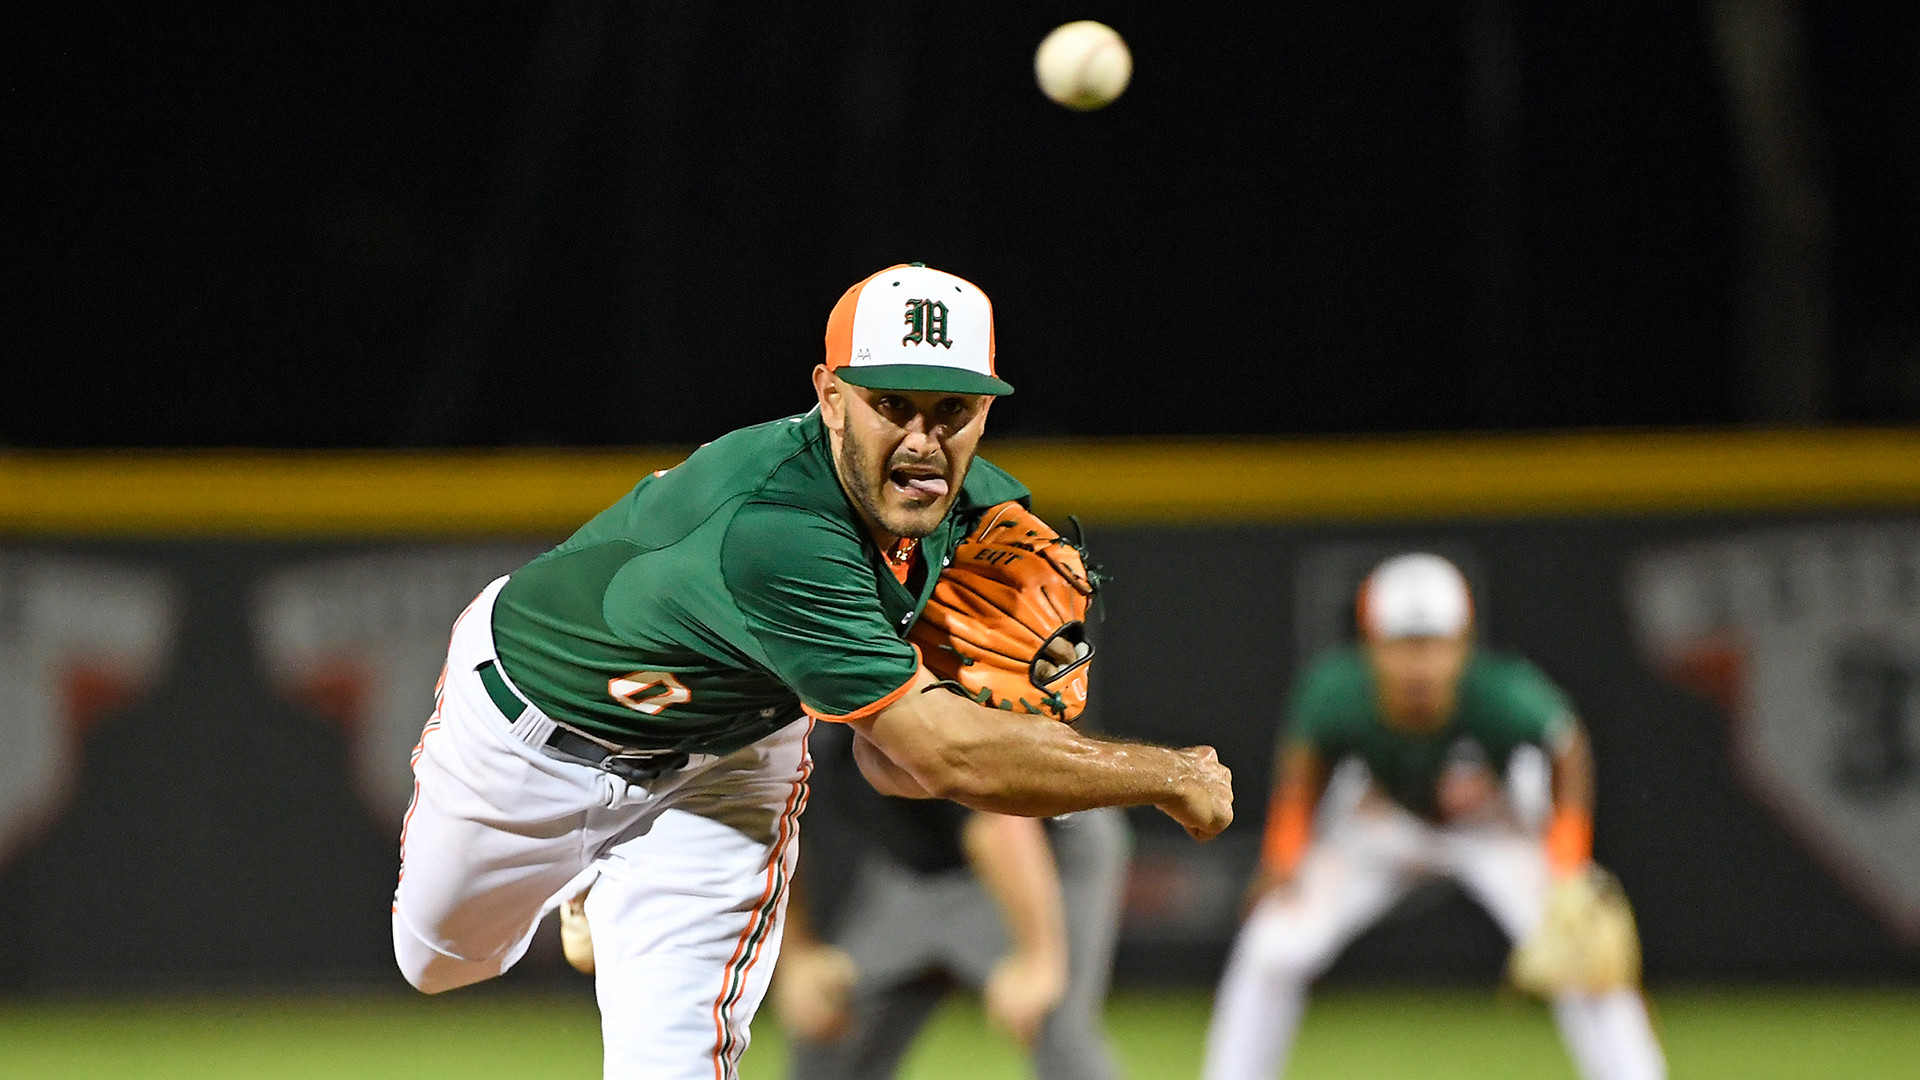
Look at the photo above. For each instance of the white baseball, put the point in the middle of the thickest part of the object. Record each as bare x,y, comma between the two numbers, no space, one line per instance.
1083,65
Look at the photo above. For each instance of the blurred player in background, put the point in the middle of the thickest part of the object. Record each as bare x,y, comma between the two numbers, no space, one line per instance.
914,898
1432,716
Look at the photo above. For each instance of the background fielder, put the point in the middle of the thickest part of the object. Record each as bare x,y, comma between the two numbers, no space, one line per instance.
1431,715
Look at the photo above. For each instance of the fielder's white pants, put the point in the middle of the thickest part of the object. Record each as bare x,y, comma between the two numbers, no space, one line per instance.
1351,877
689,870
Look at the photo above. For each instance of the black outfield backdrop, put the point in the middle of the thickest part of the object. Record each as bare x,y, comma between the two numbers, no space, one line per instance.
360,224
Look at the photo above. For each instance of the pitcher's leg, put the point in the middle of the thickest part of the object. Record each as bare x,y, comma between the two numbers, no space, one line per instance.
687,917
686,931
470,893
493,830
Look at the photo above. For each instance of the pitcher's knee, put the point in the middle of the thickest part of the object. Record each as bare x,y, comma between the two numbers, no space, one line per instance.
418,964
429,970
421,974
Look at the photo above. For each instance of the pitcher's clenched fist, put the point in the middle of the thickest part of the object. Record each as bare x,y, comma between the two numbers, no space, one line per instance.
1205,806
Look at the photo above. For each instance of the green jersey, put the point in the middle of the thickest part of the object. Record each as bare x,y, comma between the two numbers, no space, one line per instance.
720,598
1501,703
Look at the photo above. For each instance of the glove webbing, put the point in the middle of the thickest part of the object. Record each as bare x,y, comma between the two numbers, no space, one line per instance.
985,696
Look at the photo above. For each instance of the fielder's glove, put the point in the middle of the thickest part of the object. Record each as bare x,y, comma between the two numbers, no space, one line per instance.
1006,623
1586,943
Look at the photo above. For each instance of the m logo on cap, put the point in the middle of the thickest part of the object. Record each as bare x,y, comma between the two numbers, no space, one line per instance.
928,319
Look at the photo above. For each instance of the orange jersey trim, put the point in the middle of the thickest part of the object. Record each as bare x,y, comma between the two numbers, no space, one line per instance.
868,710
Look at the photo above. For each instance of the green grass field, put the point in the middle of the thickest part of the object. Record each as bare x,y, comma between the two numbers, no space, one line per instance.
1433,1035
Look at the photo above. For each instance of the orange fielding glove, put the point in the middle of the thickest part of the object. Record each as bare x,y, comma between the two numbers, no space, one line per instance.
1006,625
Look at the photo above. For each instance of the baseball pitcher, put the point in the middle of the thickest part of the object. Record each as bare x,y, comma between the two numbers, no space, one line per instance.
631,708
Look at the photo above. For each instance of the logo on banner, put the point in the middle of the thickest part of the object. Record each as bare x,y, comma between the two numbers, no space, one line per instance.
78,639
361,642
1809,638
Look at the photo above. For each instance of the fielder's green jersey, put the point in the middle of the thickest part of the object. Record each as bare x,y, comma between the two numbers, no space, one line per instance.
1502,702
721,597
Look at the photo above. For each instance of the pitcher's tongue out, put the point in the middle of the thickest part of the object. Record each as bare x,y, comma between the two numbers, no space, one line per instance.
917,485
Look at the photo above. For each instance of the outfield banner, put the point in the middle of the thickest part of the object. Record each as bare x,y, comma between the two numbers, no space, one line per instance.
207,738
1808,640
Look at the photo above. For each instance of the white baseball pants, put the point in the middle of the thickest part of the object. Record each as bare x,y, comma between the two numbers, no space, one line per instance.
1351,877
689,870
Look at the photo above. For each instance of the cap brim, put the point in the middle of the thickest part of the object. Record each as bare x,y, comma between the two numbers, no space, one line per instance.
949,380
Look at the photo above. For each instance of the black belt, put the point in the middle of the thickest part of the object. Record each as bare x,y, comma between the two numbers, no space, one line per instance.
627,763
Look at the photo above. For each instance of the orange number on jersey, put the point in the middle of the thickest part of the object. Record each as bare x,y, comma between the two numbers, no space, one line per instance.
648,691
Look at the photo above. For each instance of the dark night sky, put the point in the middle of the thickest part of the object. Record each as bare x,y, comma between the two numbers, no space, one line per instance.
594,223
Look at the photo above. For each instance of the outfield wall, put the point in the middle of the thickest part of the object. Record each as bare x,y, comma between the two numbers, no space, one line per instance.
214,664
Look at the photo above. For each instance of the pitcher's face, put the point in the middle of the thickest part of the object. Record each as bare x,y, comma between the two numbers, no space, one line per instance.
902,454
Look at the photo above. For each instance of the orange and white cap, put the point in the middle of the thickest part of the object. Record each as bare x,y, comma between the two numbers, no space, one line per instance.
1415,595
911,327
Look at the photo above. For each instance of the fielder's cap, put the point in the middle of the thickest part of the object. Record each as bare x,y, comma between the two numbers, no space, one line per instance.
911,327
1415,595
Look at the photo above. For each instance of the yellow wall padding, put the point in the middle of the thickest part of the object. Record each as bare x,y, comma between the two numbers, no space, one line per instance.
1119,481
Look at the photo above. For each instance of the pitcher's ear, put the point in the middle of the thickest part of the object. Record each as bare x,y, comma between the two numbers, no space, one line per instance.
832,397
